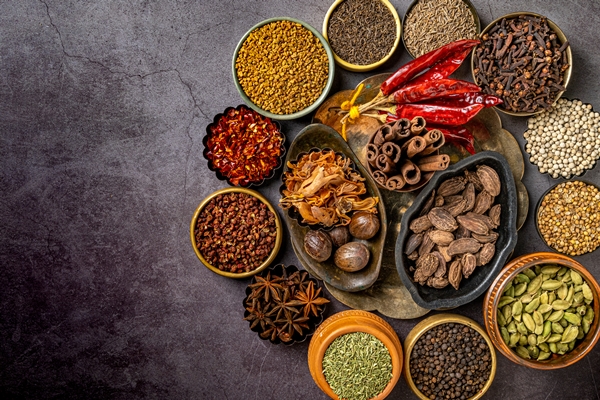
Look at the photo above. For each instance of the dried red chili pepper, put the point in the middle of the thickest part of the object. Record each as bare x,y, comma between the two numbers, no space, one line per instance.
457,135
244,146
414,67
466,99
414,93
443,68
434,114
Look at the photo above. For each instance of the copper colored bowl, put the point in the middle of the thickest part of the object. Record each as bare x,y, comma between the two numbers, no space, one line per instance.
492,299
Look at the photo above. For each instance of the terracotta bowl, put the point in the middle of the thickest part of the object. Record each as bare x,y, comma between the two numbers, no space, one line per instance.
492,299
348,322
422,327
278,238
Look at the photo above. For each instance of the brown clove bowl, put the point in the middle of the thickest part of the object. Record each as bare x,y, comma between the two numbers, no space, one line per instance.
492,298
560,36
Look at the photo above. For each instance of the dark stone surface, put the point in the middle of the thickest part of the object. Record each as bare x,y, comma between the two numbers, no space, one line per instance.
103,106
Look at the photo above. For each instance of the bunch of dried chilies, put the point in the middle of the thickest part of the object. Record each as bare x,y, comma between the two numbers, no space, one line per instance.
422,88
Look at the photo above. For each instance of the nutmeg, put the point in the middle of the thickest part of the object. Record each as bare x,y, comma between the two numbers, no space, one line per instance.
340,235
364,225
317,244
352,257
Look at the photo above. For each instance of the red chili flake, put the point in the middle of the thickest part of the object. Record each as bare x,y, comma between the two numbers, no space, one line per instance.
244,146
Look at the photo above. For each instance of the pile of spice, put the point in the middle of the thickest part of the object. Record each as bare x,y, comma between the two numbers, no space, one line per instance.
283,307
361,32
357,366
244,146
430,24
565,140
235,232
450,361
545,310
522,61
282,67
456,229
568,218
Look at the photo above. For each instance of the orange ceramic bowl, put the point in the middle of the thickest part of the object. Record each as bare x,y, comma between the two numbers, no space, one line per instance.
351,321
492,299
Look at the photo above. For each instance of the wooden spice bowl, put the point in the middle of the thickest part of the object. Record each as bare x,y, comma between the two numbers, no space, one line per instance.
278,228
368,67
439,319
351,321
492,298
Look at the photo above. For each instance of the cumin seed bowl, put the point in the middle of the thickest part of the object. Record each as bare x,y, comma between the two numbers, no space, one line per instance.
293,68
212,232
351,321
500,284
363,67
560,38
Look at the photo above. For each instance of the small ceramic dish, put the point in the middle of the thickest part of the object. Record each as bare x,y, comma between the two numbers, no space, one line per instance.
351,321
270,152
581,215
482,277
433,17
302,112
269,318
263,200
367,67
496,291
560,37
439,319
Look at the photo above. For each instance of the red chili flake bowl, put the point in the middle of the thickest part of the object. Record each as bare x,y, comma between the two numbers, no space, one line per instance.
244,147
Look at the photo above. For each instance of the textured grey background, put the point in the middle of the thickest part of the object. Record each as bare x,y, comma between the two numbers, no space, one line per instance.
103,106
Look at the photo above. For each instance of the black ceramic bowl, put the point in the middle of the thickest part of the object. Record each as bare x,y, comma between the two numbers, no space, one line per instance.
276,159
283,276
470,288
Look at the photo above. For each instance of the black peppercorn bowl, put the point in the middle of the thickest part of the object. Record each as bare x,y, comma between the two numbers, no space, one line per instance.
426,325
482,277
272,254
273,325
278,160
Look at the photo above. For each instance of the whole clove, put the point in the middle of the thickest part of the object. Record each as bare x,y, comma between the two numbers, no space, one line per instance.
522,61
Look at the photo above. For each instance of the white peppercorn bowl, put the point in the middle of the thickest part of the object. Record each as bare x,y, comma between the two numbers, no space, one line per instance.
278,238
326,89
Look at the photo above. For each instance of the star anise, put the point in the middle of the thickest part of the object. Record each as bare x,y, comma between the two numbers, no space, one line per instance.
292,322
310,300
266,287
300,279
258,314
285,304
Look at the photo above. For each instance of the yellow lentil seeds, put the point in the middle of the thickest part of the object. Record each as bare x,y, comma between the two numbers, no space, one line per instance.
282,67
569,218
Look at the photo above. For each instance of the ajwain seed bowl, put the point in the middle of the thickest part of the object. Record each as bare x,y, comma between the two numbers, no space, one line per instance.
272,254
351,321
289,63
439,319
510,271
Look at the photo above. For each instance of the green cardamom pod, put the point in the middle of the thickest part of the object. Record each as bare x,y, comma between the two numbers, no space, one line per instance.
510,292
505,335
578,288
544,347
573,343
518,317
520,289
587,292
500,318
589,315
512,327
517,308
507,288
560,304
532,339
562,271
564,323
551,297
533,351
521,328
576,278
562,348
522,352
527,298
544,308
569,334
556,316
551,284
566,278
535,284
531,307
571,318
504,300
514,339
578,298
552,347
562,291
581,333
550,269
547,329
530,273
555,337
570,294
523,340
544,298
544,355
537,318
557,328
529,322
539,329
522,278
507,311
585,325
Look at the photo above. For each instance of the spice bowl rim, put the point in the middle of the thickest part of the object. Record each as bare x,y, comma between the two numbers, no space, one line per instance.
508,239
560,36
330,75
470,6
541,199
218,172
351,321
573,177
367,67
278,229
439,319
492,298
315,321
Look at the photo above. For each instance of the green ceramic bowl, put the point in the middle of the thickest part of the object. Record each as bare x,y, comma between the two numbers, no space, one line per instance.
306,110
